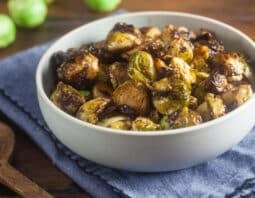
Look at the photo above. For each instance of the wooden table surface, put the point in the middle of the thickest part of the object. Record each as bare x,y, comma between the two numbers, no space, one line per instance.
66,15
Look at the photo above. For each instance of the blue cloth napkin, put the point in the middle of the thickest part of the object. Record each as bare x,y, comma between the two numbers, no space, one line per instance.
231,175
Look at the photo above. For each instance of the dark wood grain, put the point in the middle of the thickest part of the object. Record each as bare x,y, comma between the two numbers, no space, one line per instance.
66,15
10,176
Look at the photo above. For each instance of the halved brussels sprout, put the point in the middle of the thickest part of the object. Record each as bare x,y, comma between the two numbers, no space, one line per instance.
118,74
156,48
166,105
80,71
177,42
134,95
199,62
186,33
237,96
207,38
231,65
119,41
141,67
90,110
116,122
216,83
182,48
186,118
180,90
67,98
102,89
162,85
151,32
213,107
177,98
144,124
169,32
181,70
123,37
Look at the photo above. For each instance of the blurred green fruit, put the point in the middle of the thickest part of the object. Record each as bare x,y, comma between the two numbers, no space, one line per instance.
49,1
102,5
7,31
28,13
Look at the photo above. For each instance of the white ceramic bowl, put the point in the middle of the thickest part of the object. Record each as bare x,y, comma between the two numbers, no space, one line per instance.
146,151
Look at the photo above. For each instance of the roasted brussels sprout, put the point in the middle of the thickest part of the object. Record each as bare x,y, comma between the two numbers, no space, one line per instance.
90,110
151,32
99,50
177,43
207,38
231,65
237,96
119,41
216,83
101,89
151,79
178,97
213,107
181,70
186,33
166,105
141,68
169,32
162,85
186,118
58,58
118,74
144,124
67,98
180,90
181,48
123,37
80,71
200,62
156,48
117,122
134,95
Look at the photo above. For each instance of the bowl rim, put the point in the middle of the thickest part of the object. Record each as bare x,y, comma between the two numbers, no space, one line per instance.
41,93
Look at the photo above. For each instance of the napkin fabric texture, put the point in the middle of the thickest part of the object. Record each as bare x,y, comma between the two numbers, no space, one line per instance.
230,175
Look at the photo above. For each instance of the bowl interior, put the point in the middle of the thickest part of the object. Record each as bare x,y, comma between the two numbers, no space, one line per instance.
233,39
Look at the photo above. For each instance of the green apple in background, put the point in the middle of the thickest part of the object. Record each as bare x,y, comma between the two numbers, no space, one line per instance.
28,13
7,31
49,1
102,5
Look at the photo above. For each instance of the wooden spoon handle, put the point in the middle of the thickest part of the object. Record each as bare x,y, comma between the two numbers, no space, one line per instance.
16,181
